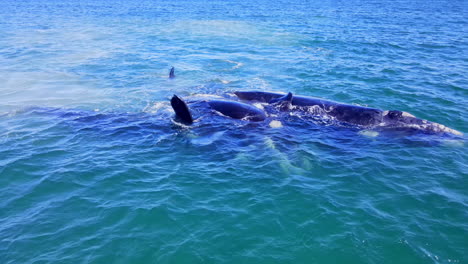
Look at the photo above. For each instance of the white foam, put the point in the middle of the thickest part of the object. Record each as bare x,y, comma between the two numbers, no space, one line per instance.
454,143
269,143
156,107
205,96
207,140
276,124
258,105
369,133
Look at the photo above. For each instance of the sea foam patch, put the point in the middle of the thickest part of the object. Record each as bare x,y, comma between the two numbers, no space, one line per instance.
369,133
275,124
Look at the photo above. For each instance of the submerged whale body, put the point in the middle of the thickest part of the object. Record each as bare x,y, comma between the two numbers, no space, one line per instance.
360,116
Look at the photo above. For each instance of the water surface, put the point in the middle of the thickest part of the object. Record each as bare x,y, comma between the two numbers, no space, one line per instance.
94,170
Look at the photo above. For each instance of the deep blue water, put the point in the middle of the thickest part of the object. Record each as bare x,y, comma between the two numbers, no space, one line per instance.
94,170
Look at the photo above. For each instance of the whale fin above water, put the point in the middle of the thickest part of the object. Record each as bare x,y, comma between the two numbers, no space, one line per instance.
286,98
181,109
171,73
284,102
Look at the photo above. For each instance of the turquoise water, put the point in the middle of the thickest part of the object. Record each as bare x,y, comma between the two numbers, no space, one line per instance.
93,170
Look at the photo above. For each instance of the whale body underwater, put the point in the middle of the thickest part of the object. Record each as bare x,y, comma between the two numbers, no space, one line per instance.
244,108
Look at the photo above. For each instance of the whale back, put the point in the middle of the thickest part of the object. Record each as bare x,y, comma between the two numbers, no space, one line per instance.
262,97
358,115
237,110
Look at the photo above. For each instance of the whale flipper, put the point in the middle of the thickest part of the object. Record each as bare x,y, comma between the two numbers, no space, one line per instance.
181,109
171,73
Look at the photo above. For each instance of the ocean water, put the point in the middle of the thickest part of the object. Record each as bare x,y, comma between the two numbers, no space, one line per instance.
94,170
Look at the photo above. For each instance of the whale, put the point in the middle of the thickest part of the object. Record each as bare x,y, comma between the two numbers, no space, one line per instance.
354,115
172,73
360,116
233,109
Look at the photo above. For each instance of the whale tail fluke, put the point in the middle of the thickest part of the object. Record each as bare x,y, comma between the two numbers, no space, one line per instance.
181,109
171,73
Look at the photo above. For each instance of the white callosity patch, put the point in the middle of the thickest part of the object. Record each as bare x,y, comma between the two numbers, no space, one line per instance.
419,124
406,114
442,128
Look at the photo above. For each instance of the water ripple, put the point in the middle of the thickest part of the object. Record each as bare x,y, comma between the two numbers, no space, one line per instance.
92,168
